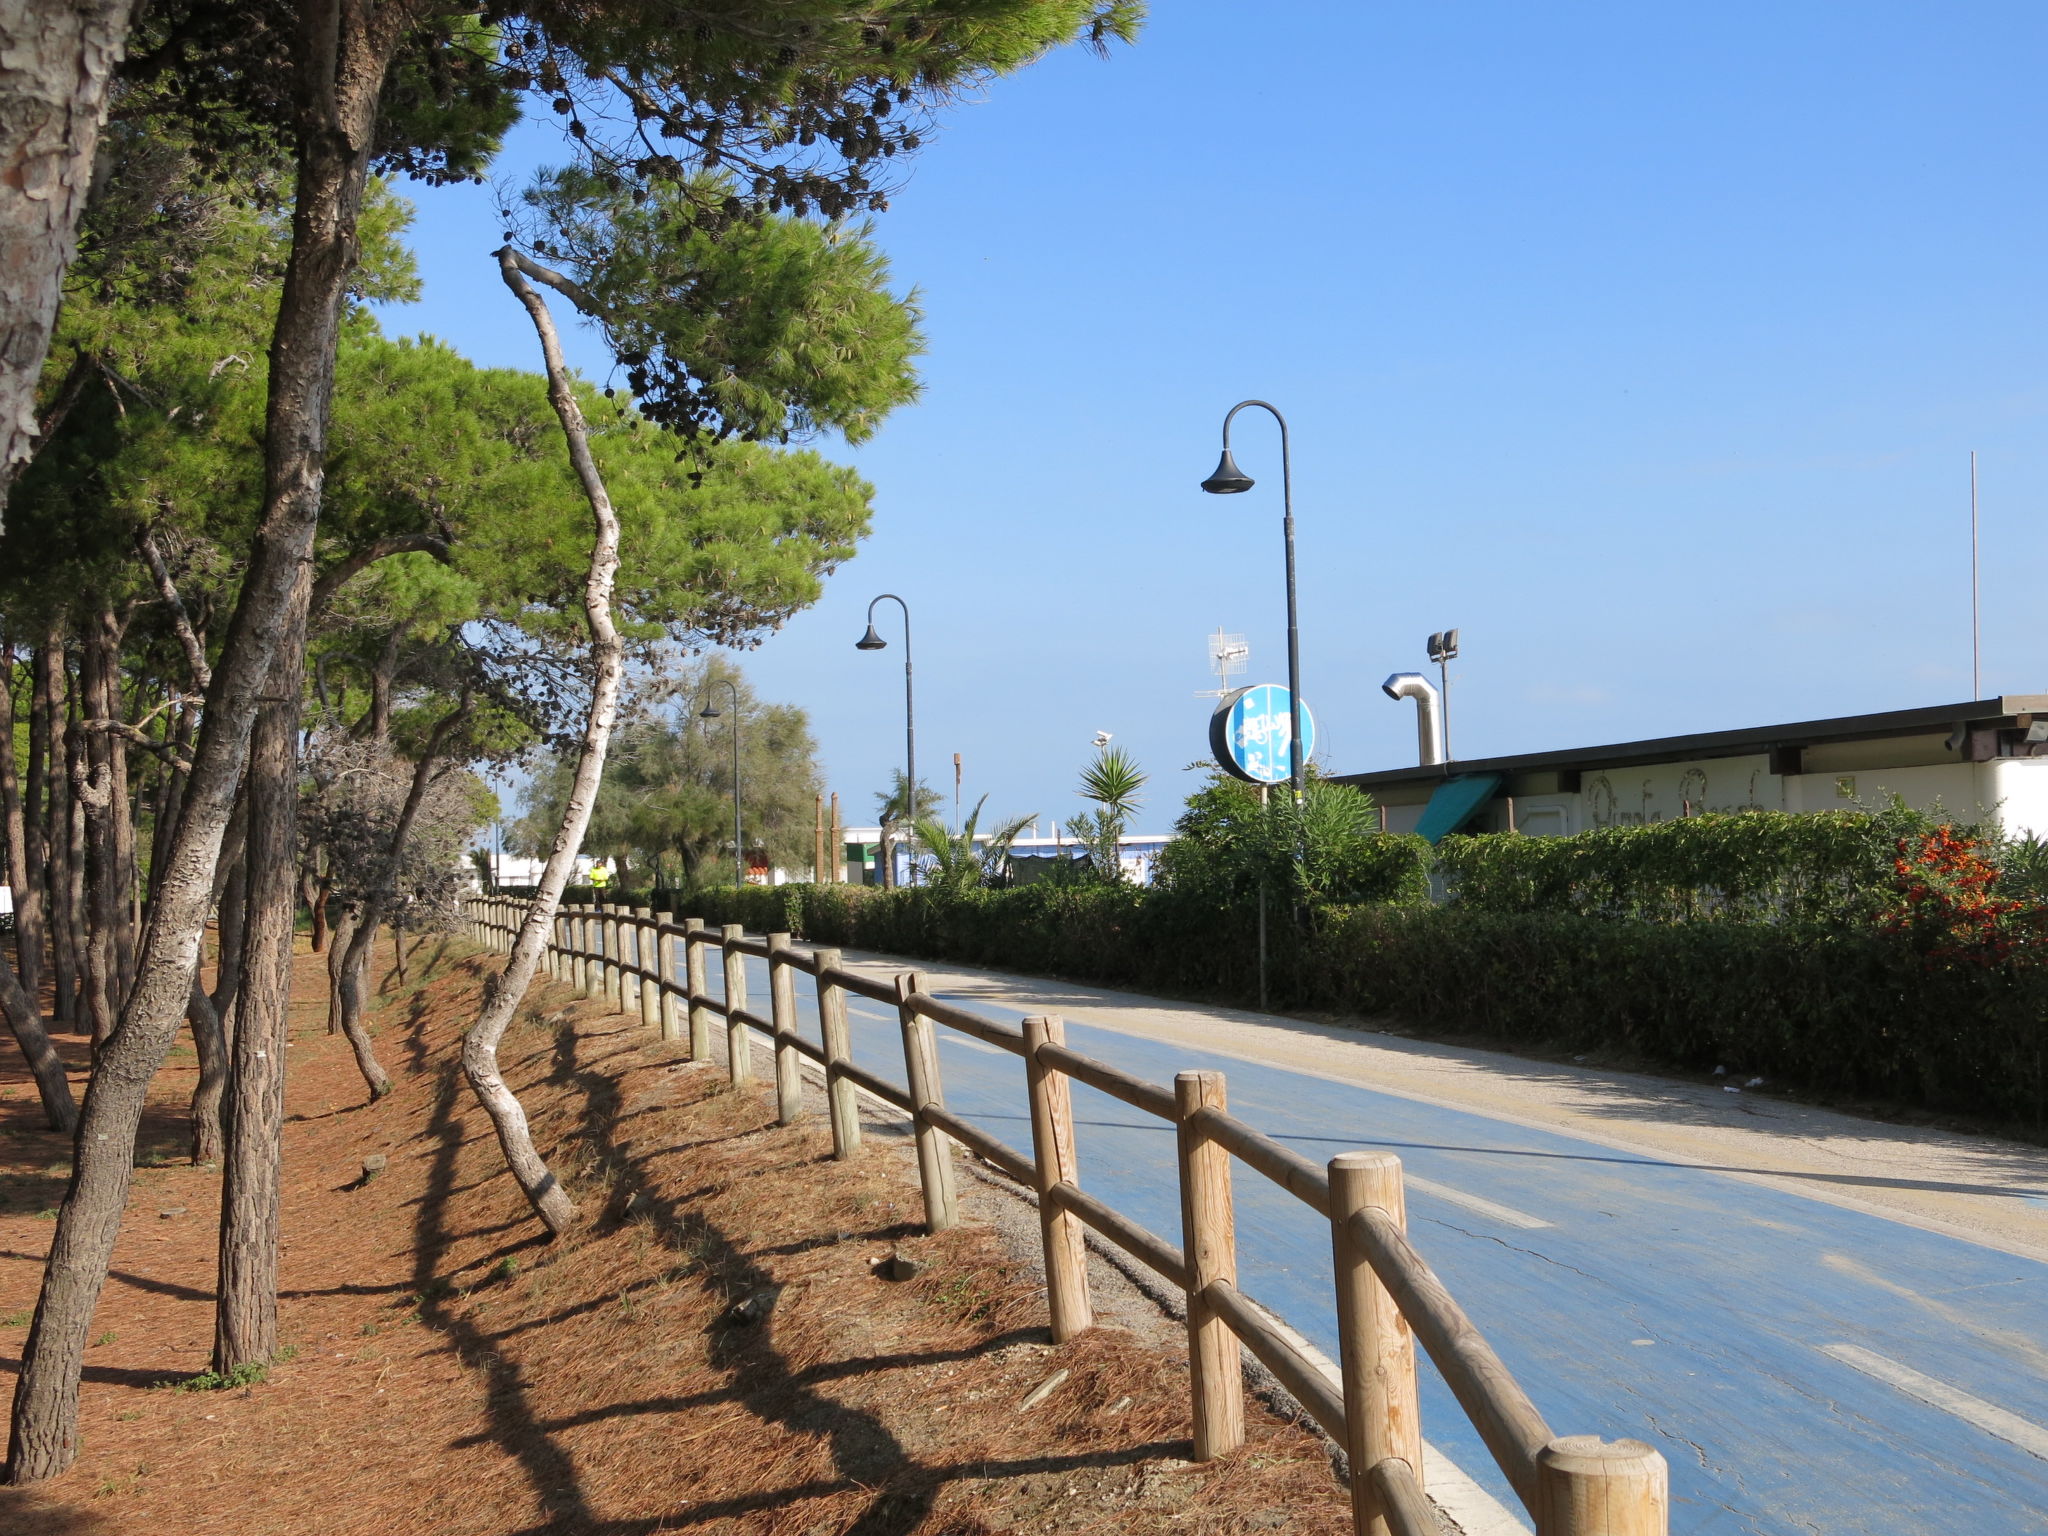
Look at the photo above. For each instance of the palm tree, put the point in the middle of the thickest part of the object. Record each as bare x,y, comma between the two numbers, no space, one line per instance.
1112,781
956,863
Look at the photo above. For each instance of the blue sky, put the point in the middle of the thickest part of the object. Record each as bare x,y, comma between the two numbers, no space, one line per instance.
1646,345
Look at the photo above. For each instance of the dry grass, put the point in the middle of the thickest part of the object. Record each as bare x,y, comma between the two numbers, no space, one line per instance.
455,1373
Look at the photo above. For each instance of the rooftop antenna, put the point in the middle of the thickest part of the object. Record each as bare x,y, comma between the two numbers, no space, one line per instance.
1443,650
1228,656
1976,626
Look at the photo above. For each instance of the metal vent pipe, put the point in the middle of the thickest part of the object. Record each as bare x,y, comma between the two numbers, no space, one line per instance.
1429,728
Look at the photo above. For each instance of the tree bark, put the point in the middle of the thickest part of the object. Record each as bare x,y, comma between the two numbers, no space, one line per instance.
85,875
56,68
344,53
337,951
26,1024
356,964
55,771
502,992
209,1016
252,1182
23,878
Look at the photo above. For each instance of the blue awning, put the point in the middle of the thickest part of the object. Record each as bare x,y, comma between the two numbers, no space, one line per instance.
1456,802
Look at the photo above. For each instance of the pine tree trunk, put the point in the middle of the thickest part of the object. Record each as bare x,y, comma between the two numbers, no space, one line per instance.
18,998
343,56
356,964
91,938
337,956
503,991
208,1015
56,823
24,877
94,785
31,903
245,1320
56,67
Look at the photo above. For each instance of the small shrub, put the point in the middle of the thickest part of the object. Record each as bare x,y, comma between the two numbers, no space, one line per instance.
250,1373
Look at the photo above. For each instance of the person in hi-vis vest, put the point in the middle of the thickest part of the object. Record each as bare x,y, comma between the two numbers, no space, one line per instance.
600,877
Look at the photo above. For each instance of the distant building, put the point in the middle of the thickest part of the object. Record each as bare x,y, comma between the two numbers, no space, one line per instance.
1984,759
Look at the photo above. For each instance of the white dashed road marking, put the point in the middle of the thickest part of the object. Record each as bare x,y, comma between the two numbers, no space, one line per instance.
1989,1417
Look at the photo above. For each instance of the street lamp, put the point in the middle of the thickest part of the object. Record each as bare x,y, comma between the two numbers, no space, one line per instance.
872,641
711,712
1228,480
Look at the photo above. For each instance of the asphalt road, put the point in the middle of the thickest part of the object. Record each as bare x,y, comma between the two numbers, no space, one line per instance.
1804,1367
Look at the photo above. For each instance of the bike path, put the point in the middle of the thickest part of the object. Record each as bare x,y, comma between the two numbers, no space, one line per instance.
1803,1367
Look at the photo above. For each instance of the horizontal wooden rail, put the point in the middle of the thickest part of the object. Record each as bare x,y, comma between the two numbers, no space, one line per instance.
798,1043
1134,1091
748,1016
1290,1170
1158,1254
758,948
1407,1512
976,1140
1279,1354
880,1087
863,986
1511,1426
955,1017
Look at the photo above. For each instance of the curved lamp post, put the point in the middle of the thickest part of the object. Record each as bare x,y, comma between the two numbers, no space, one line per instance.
712,712
871,641
1229,480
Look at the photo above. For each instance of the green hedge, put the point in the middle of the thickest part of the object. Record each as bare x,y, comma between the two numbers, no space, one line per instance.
1849,1012
1834,868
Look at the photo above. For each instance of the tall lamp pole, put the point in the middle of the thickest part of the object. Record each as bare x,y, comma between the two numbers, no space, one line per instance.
739,844
1229,480
871,641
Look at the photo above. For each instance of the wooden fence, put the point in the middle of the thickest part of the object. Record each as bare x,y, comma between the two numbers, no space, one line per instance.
1386,1295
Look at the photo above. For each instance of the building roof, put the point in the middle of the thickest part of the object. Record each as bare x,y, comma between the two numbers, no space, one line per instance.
1739,743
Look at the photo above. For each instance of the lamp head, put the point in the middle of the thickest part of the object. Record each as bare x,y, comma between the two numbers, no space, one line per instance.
708,712
1228,478
870,641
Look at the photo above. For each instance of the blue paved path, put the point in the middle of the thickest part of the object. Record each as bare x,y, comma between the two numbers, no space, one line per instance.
1671,1303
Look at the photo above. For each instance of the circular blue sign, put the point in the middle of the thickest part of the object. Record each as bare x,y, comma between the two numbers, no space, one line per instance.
1251,731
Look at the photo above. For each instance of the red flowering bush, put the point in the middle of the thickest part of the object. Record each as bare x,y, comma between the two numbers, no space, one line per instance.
1947,905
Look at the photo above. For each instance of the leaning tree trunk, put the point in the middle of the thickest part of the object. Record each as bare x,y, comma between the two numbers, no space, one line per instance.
56,821
25,1022
503,991
344,53
24,876
355,964
252,1182
56,67
337,951
209,1016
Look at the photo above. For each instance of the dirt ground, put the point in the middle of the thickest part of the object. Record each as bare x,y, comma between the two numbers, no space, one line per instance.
712,1351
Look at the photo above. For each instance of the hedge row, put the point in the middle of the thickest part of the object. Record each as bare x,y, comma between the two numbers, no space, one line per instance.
1804,1003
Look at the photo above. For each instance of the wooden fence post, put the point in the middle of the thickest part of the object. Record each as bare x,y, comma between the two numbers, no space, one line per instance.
921,1071
647,955
1209,1243
1586,1486
789,1077
838,1048
665,980
1057,1161
739,1055
586,965
615,949
695,989
1375,1346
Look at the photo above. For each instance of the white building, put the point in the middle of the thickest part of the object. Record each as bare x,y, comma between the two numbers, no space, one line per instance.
1975,761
